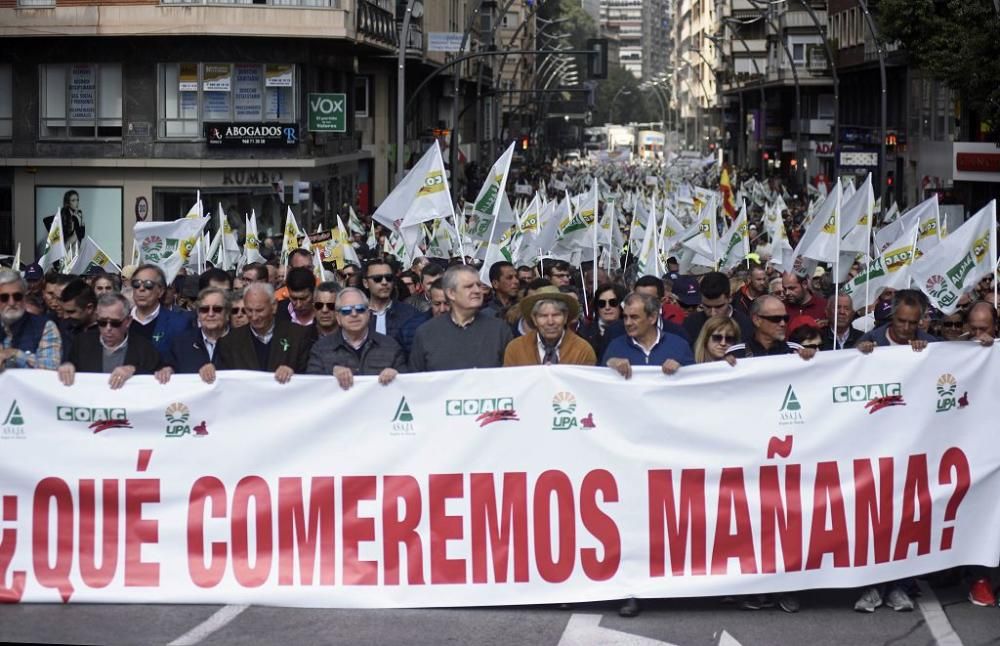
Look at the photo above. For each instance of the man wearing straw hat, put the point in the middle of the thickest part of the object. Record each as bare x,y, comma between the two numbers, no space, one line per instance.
550,341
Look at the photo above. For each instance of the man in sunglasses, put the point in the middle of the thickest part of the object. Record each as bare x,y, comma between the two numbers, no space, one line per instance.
770,327
26,340
149,320
354,349
265,344
388,314
325,306
194,348
112,348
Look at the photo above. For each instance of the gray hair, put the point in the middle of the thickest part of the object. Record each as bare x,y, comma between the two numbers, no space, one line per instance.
759,303
450,278
350,290
151,267
110,299
559,305
267,289
208,291
650,305
8,276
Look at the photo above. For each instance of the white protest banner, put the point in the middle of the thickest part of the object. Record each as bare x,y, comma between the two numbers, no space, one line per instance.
507,486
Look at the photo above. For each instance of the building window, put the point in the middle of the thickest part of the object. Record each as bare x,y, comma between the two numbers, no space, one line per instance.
192,93
799,53
81,101
361,89
6,102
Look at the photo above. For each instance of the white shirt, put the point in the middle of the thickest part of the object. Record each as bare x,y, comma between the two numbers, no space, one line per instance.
263,338
541,346
640,346
147,320
380,319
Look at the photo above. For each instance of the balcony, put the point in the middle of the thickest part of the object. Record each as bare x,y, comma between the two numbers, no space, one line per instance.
414,38
376,23
276,18
800,19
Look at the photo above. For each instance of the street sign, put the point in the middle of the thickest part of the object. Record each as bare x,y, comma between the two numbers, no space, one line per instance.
327,112
444,41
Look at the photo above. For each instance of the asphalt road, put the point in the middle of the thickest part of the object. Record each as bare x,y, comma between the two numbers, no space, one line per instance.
942,617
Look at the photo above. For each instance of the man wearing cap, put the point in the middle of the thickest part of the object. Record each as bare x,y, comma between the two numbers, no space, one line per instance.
714,296
800,300
550,342
645,343
908,308
770,323
755,286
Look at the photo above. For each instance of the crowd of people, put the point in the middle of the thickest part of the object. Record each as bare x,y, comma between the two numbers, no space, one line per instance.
383,319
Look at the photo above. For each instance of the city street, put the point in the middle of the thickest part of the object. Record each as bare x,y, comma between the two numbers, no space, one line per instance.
944,617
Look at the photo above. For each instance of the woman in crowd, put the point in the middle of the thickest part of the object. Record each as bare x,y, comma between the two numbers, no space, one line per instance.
237,312
716,337
607,311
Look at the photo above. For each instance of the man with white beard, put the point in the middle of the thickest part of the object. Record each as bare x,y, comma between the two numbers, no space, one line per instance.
26,340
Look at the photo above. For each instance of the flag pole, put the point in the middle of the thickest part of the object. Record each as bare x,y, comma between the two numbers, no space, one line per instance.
869,244
836,258
593,271
994,251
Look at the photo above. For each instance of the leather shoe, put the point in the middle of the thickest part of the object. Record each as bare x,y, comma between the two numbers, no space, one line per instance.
630,608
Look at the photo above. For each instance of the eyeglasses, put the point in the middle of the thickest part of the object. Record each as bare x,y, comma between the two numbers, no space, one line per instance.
812,346
775,318
17,297
145,284
237,311
324,306
214,309
115,323
611,302
356,309
348,275
380,278
723,338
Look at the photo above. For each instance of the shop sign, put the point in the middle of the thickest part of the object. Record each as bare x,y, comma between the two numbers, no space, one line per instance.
248,134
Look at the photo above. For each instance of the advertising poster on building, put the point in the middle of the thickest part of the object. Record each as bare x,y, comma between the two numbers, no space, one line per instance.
278,75
247,99
188,77
99,210
82,93
218,77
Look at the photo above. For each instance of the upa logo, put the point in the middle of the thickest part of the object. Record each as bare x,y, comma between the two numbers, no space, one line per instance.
487,410
947,388
402,420
13,424
177,415
100,419
564,406
791,409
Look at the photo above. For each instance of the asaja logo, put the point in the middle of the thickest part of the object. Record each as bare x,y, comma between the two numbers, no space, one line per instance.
13,424
791,409
564,407
402,421
947,388
178,415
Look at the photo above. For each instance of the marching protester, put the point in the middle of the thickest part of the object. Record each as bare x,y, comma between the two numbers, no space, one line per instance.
770,326
908,308
714,301
550,341
195,348
388,314
644,343
800,299
325,309
26,340
718,334
149,319
438,305
353,349
113,348
607,306
298,306
840,313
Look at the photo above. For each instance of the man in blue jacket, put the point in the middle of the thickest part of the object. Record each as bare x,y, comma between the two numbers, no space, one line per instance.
644,343
149,320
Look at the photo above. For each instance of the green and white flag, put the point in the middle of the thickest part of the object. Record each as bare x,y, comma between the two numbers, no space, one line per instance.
55,245
486,209
927,213
649,252
735,241
91,255
168,245
251,246
891,270
960,261
420,196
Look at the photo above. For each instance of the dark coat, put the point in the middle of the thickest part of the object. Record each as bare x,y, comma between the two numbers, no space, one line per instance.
236,351
378,353
188,353
398,315
852,338
169,324
87,353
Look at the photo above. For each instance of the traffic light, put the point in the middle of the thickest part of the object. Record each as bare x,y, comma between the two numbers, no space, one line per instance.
524,142
890,179
597,60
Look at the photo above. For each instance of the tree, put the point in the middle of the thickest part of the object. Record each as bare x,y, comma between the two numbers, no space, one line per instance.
953,41
632,104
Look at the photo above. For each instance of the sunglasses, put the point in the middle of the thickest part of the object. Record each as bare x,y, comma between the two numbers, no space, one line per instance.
380,278
775,318
324,306
145,284
214,309
723,338
115,323
356,309
17,297
611,302
812,346
951,324
237,311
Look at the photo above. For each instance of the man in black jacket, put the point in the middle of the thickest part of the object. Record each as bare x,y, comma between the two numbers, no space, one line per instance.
354,349
388,314
110,348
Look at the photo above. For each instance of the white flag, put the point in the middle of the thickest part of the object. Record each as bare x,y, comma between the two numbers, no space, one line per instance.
891,270
856,216
735,241
960,261
55,246
91,255
488,208
420,196
251,247
927,214
821,240
168,245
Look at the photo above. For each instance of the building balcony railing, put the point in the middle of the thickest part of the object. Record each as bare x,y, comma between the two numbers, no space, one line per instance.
414,38
331,4
376,22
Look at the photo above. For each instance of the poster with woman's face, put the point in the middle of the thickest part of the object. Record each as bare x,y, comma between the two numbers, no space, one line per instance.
98,210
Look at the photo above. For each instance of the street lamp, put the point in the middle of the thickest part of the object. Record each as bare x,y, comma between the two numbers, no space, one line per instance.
611,108
414,9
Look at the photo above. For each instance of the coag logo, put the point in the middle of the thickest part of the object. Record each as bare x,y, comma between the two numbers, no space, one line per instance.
177,415
402,420
947,388
564,407
487,410
99,419
875,396
791,409
13,424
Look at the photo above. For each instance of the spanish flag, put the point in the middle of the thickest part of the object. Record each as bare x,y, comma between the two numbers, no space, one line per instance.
726,188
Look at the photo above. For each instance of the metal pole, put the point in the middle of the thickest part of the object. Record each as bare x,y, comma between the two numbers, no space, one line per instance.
455,126
763,99
836,87
882,162
401,89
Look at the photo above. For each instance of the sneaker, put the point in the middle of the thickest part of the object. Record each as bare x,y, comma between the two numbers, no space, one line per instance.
788,603
756,602
898,600
981,593
870,600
